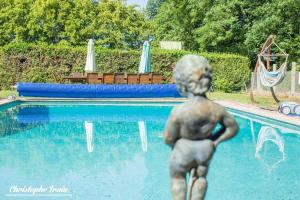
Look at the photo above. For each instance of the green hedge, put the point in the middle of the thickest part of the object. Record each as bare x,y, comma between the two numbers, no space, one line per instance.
41,63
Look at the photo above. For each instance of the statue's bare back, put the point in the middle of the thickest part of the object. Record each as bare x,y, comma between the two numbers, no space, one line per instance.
197,118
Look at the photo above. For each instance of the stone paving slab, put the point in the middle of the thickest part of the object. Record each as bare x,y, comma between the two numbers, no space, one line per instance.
4,101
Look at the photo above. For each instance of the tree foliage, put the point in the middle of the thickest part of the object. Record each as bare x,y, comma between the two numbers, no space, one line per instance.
178,20
236,26
153,6
111,22
239,26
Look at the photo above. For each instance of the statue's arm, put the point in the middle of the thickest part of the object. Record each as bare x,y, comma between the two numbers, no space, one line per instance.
171,133
229,128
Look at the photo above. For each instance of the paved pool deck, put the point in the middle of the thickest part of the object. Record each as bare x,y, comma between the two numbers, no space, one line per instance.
295,120
5,101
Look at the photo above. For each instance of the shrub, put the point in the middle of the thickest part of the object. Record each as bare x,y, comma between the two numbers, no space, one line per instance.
42,63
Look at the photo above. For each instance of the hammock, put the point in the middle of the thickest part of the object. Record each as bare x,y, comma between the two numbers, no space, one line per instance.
271,79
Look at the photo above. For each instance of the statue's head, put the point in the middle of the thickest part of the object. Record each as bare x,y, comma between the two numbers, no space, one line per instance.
192,75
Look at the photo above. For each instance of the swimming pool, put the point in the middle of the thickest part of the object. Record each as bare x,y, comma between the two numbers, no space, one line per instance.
115,151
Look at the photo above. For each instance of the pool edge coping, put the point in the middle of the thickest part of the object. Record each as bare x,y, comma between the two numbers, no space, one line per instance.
6,101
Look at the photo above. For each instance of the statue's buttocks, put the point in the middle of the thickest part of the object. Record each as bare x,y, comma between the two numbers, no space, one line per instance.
188,154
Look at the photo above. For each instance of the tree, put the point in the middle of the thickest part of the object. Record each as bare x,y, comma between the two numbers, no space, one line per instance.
178,19
152,7
110,22
223,27
119,26
80,24
47,20
275,17
238,26
13,20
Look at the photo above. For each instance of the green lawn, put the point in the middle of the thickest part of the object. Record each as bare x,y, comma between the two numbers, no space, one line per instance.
262,101
6,93
240,97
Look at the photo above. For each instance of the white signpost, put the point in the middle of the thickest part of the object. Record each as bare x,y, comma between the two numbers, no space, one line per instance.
171,45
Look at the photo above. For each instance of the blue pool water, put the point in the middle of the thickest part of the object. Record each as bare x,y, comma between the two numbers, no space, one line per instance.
115,151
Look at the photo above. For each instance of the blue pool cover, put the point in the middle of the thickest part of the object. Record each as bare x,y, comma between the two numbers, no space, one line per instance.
97,91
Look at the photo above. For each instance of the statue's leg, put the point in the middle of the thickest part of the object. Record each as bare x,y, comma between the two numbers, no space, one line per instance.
200,184
178,186
177,167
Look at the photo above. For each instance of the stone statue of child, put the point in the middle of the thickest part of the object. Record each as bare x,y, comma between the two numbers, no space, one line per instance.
189,128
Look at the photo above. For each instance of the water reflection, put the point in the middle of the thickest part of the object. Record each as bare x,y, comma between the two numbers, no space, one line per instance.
89,130
9,124
264,156
88,114
118,132
43,114
143,135
92,150
266,136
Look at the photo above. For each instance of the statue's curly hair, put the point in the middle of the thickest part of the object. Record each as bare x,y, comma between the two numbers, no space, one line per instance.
184,71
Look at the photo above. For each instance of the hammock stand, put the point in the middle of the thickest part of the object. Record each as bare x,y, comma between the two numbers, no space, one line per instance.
269,78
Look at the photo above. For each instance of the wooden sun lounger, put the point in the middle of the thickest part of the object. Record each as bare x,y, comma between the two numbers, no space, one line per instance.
108,78
120,78
145,78
93,78
133,79
76,77
157,79
115,78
